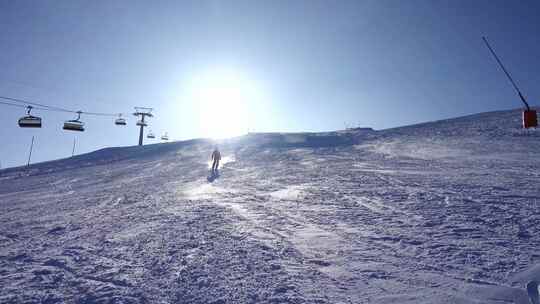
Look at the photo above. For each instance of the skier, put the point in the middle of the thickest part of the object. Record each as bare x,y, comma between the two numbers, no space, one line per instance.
216,157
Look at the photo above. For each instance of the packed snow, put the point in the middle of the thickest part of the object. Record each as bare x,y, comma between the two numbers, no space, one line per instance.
440,212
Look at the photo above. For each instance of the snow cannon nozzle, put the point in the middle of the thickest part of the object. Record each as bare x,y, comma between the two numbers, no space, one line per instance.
524,101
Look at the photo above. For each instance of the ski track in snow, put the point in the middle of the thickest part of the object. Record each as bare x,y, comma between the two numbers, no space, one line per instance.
421,214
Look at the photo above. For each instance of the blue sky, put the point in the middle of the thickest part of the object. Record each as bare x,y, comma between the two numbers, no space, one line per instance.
292,65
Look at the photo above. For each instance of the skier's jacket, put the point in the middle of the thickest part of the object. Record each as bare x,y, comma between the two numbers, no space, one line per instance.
216,155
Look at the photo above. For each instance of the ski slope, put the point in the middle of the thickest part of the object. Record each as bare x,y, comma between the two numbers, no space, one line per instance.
440,212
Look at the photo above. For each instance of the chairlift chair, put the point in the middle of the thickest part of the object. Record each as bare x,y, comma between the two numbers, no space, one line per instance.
29,121
165,137
120,121
142,123
150,135
75,124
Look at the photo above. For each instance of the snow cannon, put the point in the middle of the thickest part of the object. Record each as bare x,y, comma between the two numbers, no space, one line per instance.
529,116
529,119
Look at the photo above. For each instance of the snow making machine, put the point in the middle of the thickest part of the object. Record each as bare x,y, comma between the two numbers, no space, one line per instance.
530,120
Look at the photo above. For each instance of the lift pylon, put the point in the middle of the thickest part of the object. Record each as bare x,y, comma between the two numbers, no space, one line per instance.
142,113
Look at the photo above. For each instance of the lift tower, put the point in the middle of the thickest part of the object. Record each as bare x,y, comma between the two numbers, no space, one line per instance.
142,113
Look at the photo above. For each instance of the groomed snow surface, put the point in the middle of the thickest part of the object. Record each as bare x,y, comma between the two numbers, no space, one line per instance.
442,212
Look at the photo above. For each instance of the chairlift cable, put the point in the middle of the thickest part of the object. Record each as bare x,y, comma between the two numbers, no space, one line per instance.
26,102
101,114
21,106
12,104
40,106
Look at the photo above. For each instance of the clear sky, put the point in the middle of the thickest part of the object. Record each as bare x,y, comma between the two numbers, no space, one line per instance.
219,68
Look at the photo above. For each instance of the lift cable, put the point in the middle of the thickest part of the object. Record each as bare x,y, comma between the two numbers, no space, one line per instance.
26,102
25,107
12,104
45,107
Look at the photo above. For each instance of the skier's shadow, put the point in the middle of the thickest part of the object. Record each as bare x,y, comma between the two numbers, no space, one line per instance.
213,176
532,290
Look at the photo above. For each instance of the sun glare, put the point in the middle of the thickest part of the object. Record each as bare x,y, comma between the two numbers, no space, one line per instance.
223,100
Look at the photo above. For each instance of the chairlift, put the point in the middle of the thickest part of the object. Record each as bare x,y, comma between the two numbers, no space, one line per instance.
150,135
165,137
120,121
29,121
75,124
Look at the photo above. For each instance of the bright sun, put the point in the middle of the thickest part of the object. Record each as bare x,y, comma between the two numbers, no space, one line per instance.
223,99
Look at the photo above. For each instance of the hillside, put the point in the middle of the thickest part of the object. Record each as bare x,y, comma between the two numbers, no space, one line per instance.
440,212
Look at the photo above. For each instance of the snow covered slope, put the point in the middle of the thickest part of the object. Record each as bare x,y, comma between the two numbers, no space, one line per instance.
442,212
